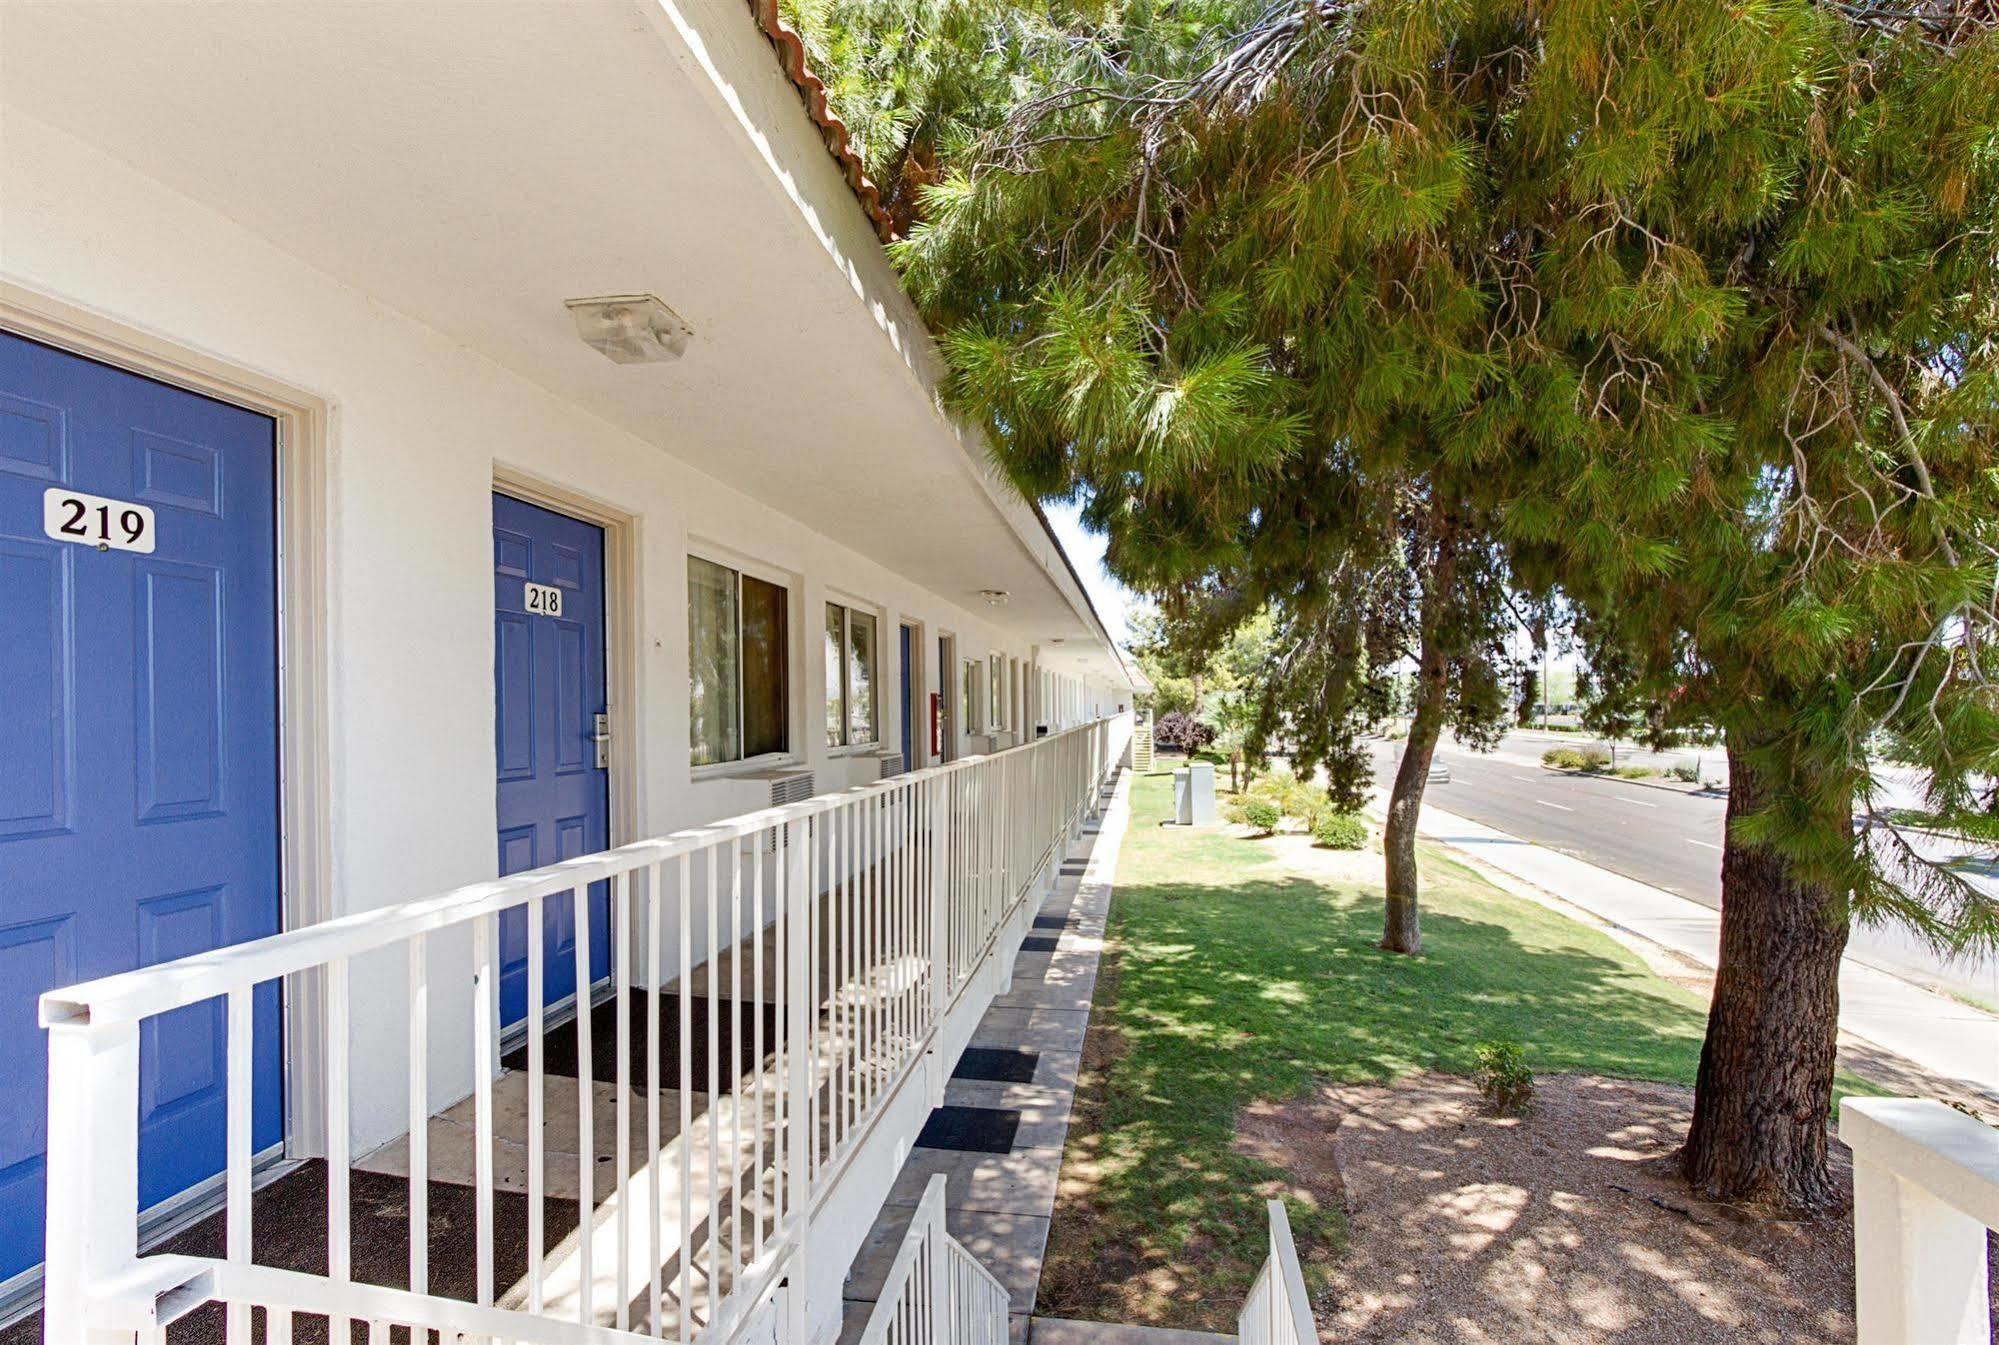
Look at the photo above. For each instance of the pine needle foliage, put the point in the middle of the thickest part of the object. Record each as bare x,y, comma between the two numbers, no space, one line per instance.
1682,315
1695,301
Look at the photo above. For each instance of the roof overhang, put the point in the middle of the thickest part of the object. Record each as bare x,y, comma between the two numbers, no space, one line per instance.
474,165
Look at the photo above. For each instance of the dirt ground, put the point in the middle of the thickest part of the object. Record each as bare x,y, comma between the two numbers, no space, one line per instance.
1565,1225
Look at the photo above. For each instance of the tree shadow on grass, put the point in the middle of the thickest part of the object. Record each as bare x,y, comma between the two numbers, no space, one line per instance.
1242,982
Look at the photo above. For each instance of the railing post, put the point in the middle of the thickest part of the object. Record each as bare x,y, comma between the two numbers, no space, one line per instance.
93,1175
937,813
1925,1189
1919,1265
942,1309
1007,948
799,1013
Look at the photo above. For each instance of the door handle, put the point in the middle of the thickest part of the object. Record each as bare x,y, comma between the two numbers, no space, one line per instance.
602,737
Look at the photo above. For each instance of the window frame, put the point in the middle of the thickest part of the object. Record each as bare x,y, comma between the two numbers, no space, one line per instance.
790,585
971,694
848,608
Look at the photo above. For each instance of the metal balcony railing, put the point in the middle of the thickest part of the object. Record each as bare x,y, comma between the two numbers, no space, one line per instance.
850,922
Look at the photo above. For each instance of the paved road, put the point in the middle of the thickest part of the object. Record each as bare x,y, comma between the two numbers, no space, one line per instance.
1667,839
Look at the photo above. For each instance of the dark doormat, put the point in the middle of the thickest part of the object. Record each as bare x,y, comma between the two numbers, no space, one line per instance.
288,1231
1051,922
997,1064
735,1040
1038,943
972,1130
1073,868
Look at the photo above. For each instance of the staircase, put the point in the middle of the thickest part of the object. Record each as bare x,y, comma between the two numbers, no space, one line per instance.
938,1294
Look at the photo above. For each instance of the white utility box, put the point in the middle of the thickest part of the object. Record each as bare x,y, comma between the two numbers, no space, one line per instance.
1194,795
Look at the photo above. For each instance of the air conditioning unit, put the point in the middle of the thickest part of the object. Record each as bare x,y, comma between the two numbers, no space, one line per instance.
789,787
892,762
786,786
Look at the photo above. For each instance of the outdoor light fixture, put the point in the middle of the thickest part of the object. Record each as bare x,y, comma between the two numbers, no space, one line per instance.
995,597
630,328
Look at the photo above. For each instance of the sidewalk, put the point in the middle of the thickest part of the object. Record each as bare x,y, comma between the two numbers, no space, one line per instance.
1930,1030
999,1136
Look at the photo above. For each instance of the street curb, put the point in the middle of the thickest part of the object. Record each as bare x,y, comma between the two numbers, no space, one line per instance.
1700,791
1514,885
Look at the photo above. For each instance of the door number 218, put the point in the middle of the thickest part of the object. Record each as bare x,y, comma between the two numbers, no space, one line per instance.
542,599
92,520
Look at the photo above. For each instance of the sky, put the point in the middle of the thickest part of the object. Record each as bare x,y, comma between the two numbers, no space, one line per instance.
1086,552
1114,601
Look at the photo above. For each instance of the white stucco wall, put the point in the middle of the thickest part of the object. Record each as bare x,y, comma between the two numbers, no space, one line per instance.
417,427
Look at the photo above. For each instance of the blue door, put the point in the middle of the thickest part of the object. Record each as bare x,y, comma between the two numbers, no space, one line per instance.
548,676
908,702
138,742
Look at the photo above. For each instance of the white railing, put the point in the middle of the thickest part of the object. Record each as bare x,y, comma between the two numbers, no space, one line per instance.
852,922
1925,1192
1278,1312
936,1292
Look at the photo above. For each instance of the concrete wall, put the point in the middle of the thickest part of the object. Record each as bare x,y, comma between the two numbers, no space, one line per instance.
417,428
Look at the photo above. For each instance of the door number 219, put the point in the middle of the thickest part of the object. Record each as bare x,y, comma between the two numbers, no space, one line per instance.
92,520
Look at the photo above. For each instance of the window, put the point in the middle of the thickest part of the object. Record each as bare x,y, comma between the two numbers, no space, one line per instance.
996,691
739,662
970,703
850,676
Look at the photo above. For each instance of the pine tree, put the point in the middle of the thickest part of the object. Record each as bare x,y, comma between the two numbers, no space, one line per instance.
1684,312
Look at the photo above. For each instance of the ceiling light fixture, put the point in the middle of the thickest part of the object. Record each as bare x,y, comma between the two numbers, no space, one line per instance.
630,328
995,597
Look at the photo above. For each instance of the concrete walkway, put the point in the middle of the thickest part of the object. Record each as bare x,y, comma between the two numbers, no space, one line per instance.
1940,1034
999,1139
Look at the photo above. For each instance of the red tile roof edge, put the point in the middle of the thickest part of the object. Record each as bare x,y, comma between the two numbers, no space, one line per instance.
791,53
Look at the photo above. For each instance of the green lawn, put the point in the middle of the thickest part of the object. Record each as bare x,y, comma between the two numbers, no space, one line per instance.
1231,978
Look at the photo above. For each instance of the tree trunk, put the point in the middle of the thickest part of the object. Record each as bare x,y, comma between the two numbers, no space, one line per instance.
1402,930
1764,1093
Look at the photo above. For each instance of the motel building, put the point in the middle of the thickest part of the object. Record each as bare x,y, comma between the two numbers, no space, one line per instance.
479,538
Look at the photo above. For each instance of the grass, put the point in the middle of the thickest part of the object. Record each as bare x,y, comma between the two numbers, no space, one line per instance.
1232,978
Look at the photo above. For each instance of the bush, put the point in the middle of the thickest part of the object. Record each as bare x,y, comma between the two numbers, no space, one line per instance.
1576,758
1634,772
1685,772
1503,1076
1261,814
1182,731
1303,801
1340,831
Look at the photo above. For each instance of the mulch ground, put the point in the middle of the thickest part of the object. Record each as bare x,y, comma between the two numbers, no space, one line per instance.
1566,1225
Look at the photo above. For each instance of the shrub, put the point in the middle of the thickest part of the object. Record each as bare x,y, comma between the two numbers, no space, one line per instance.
1302,801
1182,731
1634,772
1261,814
1232,811
1576,758
1276,786
1340,831
1503,1076
1685,772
